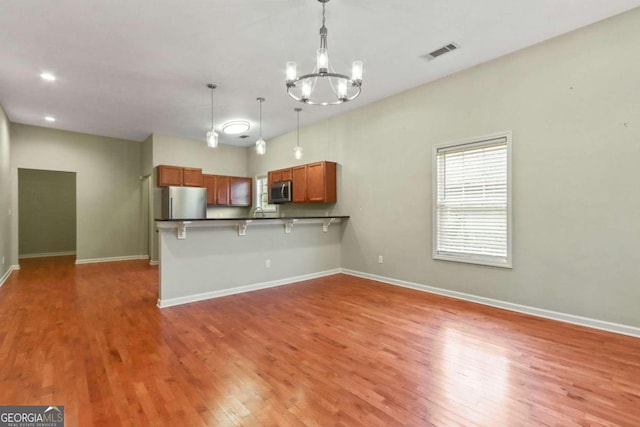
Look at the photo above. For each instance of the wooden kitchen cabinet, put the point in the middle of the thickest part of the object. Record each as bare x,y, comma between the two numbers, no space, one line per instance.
279,175
222,190
321,182
240,191
312,183
169,175
209,182
299,184
192,177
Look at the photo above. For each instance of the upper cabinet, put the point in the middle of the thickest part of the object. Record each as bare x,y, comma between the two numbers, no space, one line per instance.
321,182
222,190
228,190
279,175
312,183
169,175
209,182
240,191
192,177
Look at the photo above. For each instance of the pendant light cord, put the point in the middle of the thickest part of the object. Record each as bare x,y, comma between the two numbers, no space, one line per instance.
211,108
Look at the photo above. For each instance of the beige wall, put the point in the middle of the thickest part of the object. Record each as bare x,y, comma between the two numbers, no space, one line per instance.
108,185
572,104
5,199
46,212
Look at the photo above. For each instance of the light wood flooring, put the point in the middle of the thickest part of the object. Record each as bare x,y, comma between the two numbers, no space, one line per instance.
337,351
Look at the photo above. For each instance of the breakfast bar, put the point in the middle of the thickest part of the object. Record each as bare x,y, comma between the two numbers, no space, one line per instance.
209,258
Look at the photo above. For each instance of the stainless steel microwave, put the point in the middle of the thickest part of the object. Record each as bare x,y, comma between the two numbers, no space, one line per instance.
280,192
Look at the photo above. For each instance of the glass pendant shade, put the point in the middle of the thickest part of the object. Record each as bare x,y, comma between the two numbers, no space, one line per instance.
306,89
212,138
342,88
292,71
322,60
297,152
261,147
356,71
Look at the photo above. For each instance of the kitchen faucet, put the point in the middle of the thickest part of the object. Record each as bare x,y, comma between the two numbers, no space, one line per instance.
256,210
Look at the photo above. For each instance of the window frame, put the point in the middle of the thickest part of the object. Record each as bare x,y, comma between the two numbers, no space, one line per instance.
270,208
473,142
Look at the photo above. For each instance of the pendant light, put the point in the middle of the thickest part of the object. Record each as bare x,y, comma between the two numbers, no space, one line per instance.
261,145
297,150
212,135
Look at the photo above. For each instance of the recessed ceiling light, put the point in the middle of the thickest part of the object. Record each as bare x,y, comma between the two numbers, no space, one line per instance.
48,77
235,127
50,119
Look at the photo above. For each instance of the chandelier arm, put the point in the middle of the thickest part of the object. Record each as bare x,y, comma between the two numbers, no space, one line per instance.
336,102
293,83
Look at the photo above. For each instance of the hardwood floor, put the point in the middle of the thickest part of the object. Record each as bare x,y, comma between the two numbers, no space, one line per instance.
337,351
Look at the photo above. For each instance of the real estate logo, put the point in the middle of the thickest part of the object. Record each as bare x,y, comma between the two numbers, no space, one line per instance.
31,416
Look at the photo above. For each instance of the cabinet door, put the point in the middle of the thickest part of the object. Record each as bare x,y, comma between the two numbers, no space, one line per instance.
287,174
192,177
209,182
299,178
315,182
240,191
274,176
222,190
169,175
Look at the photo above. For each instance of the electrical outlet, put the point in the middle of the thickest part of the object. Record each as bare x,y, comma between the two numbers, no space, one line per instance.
380,259
268,263
2,260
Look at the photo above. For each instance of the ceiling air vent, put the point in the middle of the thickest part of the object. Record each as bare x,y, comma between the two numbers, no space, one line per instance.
438,52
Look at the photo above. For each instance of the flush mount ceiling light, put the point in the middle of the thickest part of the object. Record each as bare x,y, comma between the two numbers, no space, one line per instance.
323,86
235,127
212,135
297,150
50,119
261,145
48,77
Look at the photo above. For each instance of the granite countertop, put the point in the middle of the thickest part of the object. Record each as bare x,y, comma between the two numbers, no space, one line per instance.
250,218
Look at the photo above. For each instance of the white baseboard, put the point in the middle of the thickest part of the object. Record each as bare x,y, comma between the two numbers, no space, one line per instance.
241,289
538,312
6,275
111,259
154,262
46,254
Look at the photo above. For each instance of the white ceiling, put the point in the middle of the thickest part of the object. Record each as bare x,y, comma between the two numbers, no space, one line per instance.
128,68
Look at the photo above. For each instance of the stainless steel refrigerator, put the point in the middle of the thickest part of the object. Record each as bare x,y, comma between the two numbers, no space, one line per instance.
184,202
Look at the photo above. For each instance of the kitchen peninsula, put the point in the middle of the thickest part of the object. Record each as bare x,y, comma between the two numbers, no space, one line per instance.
209,258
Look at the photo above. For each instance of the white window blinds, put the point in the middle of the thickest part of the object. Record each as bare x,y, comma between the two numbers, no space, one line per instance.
472,203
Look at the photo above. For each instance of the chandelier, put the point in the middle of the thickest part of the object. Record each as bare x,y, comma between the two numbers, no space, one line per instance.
323,86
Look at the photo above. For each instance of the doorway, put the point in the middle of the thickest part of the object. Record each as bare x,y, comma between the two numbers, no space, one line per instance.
46,213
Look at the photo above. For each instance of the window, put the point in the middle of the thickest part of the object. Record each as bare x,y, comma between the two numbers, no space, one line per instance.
262,195
472,200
